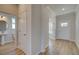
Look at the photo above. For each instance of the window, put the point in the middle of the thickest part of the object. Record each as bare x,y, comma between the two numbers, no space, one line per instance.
13,23
64,24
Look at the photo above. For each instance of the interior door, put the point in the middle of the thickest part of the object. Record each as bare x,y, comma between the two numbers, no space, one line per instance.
22,32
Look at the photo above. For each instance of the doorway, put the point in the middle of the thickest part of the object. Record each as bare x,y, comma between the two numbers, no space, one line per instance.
8,33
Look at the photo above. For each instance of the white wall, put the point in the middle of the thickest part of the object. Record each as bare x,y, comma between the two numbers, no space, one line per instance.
36,37
40,27
44,27
77,26
63,32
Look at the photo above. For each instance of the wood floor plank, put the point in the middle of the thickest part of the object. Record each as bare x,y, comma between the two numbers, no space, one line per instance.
63,47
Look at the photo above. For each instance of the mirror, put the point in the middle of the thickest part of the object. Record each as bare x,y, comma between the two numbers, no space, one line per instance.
2,25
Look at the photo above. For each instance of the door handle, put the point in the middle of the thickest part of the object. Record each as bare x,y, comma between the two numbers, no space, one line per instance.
25,34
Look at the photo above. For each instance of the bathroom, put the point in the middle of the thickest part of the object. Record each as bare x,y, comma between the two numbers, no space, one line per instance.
7,28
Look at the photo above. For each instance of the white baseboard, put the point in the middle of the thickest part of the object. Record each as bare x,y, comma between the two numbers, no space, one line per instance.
67,39
77,44
43,50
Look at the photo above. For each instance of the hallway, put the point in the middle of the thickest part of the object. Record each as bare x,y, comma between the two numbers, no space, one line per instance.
63,47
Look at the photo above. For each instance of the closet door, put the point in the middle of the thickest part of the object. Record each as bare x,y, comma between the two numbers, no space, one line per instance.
22,34
24,28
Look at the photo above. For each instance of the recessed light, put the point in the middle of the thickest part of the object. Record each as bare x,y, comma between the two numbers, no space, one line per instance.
63,9
3,17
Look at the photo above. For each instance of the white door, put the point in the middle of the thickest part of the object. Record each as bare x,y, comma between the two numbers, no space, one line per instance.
22,32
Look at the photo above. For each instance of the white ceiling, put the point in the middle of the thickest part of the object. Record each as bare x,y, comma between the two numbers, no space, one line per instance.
58,8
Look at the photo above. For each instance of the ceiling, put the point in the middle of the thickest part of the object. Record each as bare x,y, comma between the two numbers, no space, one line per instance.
57,8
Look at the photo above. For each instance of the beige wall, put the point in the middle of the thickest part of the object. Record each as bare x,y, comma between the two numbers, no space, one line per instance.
9,8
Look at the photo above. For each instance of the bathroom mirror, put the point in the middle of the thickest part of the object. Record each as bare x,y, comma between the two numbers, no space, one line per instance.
3,25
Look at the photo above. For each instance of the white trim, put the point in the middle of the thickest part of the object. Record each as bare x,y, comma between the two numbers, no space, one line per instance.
42,50
67,40
77,44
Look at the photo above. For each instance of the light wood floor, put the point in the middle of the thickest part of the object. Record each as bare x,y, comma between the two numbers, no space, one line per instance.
7,49
56,47
10,49
19,52
62,47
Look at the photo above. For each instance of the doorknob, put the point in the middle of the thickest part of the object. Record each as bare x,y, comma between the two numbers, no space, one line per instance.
25,34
